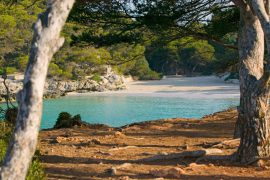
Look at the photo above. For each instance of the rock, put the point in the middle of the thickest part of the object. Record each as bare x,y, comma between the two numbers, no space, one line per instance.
119,134
225,76
259,163
56,88
194,166
112,171
124,166
175,172
163,153
95,141
124,178
59,139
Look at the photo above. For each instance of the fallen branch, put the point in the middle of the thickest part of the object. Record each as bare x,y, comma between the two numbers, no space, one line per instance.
185,154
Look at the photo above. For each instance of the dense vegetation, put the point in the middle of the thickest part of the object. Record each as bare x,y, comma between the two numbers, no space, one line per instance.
132,47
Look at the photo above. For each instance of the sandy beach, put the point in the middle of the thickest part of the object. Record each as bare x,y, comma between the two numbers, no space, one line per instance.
187,87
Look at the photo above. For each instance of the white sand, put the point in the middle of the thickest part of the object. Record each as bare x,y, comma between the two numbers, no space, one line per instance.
186,87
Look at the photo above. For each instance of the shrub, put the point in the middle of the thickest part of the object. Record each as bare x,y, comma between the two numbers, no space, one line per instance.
22,62
65,120
66,75
36,171
11,70
11,115
54,70
150,75
2,71
96,78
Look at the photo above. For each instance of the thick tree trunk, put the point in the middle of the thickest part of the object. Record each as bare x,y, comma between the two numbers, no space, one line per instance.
253,121
46,41
251,55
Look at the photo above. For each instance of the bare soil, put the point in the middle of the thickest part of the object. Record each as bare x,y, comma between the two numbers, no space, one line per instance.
100,152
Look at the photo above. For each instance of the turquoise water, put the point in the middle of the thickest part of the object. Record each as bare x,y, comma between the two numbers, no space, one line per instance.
121,110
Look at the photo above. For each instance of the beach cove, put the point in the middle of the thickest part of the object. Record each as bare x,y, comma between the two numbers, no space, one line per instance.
188,97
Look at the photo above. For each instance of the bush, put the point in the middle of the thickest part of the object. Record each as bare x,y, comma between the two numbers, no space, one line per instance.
96,78
1,71
66,75
150,75
11,115
36,171
22,62
11,70
143,72
54,70
65,120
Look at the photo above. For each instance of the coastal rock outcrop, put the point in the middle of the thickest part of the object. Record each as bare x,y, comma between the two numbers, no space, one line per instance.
110,81
229,77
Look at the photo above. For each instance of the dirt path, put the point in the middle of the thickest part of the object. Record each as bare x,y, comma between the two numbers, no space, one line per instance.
107,153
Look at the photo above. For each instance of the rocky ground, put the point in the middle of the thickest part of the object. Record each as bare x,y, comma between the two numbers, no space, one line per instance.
164,149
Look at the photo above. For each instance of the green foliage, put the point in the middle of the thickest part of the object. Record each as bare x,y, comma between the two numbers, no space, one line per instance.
143,72
224,22
15,29
96,78
10,70
5,134
109,33
65,120
36,171
22,62
54,70
7,22
184,56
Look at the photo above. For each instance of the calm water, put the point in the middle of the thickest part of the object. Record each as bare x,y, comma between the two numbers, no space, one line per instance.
121,110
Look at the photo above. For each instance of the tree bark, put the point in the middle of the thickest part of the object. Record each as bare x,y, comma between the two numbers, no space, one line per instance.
251,56
253,120
46,41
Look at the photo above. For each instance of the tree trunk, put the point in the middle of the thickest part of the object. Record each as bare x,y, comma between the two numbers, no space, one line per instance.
253,120
251,54
46,41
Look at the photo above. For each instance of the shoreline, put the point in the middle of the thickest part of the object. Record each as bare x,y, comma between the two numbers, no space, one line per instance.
183,87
